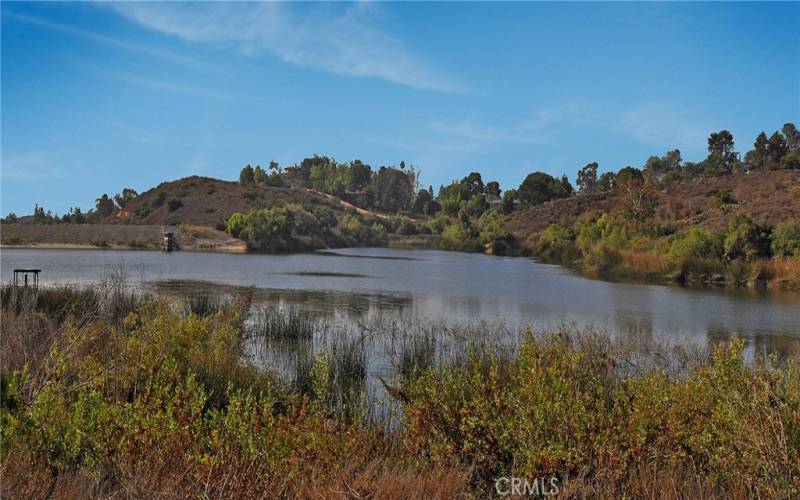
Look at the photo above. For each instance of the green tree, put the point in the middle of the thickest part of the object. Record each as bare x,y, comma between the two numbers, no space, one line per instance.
776,150
422,202
476,206
127,194
39,217
360,175
721,156
757,158
540,187
792,136
11,218
246,176
393,189
493,189
665,168
605,182
587,178
472,185
450,198
791,160
104,206
566,186
259,176
509,200
627,176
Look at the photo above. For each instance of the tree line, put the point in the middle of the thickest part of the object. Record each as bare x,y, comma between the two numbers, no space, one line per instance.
395,189
104,207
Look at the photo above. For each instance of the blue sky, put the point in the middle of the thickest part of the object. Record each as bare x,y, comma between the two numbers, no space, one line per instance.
96,97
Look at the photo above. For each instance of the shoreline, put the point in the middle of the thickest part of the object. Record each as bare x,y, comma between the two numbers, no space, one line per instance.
235,249
695,283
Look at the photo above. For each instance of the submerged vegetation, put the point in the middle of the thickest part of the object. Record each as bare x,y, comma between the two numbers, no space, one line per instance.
106,392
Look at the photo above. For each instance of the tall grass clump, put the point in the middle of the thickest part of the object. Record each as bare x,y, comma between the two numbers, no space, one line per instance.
272,322
204,304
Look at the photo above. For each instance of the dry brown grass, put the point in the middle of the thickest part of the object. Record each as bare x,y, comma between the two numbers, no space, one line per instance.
643,264
22,478
780,273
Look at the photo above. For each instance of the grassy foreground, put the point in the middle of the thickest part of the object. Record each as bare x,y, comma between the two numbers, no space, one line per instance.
105,393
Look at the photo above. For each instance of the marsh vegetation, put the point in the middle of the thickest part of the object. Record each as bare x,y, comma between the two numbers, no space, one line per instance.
108,391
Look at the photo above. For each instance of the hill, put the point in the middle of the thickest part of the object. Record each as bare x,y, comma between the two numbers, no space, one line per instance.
204,201
770,197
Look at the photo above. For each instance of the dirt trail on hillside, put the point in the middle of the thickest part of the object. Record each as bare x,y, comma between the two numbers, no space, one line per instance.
345,204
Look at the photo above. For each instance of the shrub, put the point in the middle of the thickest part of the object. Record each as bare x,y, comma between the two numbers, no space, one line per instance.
404,225
379,231
746,239
98,242
696,243
557,243
143,211
159,199
725,197
174,204
12,239
143,242
601,259
491,227
236,224
438,222
786,239
564,410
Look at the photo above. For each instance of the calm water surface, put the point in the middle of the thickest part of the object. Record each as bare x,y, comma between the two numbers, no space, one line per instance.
448,286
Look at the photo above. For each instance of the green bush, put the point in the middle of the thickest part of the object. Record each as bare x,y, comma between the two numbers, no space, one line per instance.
559,409
404,225
98,241
270,230
786,239
174,204
236,224
746,239
159,199
557,243
696,243
12,239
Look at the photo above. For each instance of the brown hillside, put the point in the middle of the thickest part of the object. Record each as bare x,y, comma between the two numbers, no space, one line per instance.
204,201
772,197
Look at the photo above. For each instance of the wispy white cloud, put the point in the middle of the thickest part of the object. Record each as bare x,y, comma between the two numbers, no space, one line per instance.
161,85
27,167
165,55
663,124
348,42
528,131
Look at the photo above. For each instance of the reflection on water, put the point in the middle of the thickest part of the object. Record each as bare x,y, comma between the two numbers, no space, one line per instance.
443,286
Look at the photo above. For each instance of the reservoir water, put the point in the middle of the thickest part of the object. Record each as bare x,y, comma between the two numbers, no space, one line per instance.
442,286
